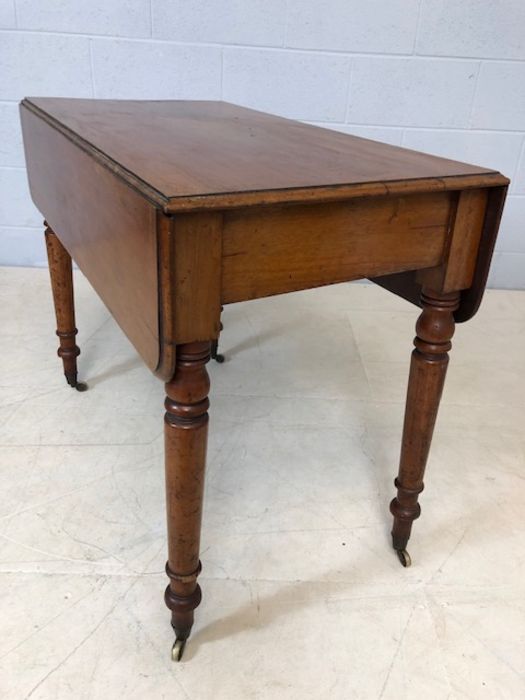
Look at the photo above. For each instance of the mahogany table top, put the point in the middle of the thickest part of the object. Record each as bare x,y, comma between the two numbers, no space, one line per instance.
196,154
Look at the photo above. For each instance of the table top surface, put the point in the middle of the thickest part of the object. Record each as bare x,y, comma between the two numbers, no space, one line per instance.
189,154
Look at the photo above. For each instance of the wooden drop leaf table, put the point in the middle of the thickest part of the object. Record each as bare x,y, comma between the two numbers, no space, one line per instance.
172,209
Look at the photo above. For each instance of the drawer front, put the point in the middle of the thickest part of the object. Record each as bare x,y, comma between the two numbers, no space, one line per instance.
279,249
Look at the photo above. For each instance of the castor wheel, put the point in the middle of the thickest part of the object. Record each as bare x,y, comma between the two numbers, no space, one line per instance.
72,381
81,386
177,649
215,354
404,557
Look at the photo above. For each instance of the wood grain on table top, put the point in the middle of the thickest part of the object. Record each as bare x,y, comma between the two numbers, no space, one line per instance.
187,155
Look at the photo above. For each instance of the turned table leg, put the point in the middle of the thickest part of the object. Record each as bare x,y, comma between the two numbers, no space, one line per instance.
185,432
61,273
434,330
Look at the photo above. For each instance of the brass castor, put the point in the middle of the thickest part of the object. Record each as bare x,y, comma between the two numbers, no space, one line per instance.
81,386
404,557
219,358
177,649
72,381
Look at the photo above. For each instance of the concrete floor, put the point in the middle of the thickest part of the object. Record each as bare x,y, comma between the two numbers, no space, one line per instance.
303,596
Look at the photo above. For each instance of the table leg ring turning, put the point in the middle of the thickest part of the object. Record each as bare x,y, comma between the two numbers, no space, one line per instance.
182,607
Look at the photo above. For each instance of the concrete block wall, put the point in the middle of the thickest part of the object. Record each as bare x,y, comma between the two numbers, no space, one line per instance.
443,76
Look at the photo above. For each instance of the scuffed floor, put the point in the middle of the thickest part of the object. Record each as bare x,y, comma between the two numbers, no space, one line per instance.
303,596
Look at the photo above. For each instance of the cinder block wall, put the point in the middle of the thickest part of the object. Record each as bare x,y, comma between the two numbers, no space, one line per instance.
443,76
